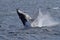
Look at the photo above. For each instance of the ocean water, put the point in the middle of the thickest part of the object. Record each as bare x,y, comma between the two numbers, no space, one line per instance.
45,12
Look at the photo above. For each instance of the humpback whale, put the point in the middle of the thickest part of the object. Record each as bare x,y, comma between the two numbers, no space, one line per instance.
24,18
42,20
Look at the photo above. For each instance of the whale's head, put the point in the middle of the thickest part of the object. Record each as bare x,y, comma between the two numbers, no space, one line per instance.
24,18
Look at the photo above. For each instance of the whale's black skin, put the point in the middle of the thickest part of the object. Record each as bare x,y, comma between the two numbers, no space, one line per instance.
22,17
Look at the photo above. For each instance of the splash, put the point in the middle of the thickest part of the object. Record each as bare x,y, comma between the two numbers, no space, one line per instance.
56,8
43,20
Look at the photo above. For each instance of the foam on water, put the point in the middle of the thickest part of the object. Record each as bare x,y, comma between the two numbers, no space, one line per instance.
44,20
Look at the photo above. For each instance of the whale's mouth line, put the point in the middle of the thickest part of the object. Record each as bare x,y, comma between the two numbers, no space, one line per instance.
41,20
